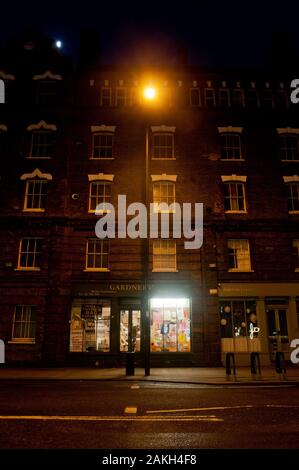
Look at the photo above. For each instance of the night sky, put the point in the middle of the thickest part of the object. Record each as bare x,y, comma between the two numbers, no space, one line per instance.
215,33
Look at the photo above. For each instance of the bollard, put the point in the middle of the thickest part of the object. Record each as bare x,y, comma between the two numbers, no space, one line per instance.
279,362
130,365
255,363
230,363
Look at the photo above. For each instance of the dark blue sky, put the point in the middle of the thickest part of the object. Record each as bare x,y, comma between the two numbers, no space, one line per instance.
222,32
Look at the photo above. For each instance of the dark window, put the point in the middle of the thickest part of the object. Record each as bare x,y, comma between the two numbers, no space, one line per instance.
289,147
293,196
231,146
102,145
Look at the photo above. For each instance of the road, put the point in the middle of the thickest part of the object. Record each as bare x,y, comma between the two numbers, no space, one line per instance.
144,415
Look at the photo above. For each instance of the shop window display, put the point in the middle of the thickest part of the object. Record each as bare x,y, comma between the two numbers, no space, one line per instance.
170,325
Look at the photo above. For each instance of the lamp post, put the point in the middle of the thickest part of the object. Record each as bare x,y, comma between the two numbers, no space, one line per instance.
149,95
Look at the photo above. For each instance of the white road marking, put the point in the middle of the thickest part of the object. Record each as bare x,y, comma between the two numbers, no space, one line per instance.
201,409
112,418
130,410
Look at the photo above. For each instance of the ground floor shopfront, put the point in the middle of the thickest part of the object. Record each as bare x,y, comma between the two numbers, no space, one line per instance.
258,317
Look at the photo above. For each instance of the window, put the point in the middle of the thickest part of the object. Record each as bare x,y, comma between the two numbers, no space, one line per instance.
24,323
42,144
282,101
102,145
224,98
29,253
35,195
209,95
238,318
163,145
46,91
195,97
234,197
90,325
97,253
170,325
164,255
289,147
99,193
231,147
238,98
293,197
106,96
296,253
252,98
121,97
163,192
267,98
238,255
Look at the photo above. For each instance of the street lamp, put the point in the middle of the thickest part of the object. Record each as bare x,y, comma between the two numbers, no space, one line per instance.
149,94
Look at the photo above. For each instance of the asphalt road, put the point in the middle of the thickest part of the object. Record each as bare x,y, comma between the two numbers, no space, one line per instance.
128,415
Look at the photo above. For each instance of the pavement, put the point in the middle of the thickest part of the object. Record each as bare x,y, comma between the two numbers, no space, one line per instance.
193,375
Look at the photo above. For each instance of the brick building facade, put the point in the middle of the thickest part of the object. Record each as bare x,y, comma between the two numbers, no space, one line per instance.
73,138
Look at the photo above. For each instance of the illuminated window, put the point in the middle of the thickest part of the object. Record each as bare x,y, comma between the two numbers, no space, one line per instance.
106,96
24,323
121,97
42,144
293,197
99,193
164,192
97,255
234,197
238,318
170,325
224,98
163,145
195,100
102,145
164,255
35,195
90,325
289,147
231,146
29,253
238,255
209,96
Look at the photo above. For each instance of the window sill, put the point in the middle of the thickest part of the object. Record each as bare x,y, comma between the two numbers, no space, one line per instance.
293,212
170,158
21,341
96,270
296,270
165,271
33,210
27,269
289,161
232,159
38,158
236,212
102,158
233,270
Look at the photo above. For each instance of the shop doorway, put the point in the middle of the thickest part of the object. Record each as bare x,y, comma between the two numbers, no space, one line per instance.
277,320
130,329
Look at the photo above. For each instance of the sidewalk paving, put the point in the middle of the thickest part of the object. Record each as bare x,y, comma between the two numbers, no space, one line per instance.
193,375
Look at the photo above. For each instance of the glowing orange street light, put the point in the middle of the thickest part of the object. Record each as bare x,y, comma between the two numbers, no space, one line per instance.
149,93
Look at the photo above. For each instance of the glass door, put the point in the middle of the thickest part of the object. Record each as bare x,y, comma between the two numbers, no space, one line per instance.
130,330
277,330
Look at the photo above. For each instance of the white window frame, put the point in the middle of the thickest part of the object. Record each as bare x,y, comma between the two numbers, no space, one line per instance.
105,196
170,199
102,134
157,251
103,244
25,309
235,211
117,96
239,253
39,194
295,244
206,99
106,88
285,136
223,136
34,252
221,100
36,133
159,134
290,184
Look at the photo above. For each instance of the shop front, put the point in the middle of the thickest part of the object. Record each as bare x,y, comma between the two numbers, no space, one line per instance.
108,320
258,317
